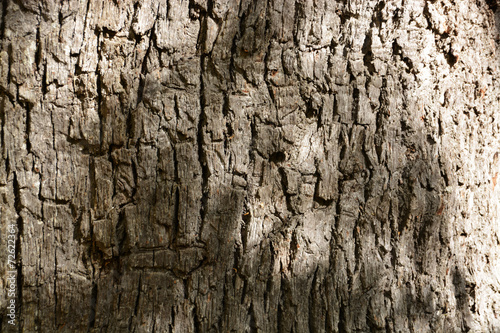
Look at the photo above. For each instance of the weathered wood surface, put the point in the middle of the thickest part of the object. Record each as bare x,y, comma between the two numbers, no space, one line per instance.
251,166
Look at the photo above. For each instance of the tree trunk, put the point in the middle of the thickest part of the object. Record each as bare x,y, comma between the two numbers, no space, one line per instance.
249,166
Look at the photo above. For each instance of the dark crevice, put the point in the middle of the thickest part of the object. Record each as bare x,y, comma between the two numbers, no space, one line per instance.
134,16
175,222
93,303
451,59
20,231
135,175
342,327
100,110
396,49
247,217
223,306
355,103
107,33
44,79
144,66
253,130
310,111
136,305
338,206
294,246
120,231
176,165
198,328
59,201
92,181
202,35
172,323
4,15
130,128
368,55
377,18
205,172
277,157
186,288
38,52
11,61
227,118
60,21
492,4
346,15
197,9
253,324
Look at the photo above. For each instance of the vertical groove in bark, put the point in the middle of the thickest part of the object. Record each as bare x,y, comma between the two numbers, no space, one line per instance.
200,135
4,14
19,250
93,302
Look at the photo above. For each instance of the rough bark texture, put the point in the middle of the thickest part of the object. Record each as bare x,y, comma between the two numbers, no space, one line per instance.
251,166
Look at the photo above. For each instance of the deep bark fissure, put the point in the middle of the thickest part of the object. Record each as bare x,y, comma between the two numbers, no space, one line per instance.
205,173
136,304
38,52
19,249
93,304
4,15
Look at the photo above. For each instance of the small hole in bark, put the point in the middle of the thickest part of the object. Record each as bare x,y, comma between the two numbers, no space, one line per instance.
277,157
451,59
108,33
310,113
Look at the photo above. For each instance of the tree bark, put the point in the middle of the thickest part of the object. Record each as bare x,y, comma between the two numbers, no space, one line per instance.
250,165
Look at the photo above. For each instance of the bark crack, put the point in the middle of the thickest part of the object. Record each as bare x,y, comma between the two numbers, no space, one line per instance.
93,303
19,251
4,15
136,305
28,128
200,136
